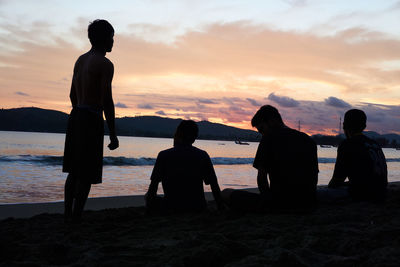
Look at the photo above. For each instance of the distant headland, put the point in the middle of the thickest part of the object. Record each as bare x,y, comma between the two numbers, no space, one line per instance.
32,119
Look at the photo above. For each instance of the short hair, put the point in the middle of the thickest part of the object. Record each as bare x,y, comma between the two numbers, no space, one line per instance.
355,120
264,114
188,131
99,31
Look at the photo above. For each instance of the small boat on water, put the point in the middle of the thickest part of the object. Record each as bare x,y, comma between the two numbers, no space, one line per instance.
238,142
325,146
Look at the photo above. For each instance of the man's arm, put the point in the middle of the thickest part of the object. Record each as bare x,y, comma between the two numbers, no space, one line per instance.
211,178
339,173
152,191
155,179
262,181
108,104
216,191
72,93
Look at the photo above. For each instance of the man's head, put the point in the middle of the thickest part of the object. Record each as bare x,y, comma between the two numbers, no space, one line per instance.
354,122
101,34
267,118
186,133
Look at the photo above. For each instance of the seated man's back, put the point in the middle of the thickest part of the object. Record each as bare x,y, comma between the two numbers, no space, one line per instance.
362,161
290,159
182,171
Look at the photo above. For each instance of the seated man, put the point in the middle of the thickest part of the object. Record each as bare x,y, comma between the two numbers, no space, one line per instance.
361,160
289,158
182,171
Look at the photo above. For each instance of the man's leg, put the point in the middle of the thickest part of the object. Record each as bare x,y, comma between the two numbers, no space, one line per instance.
242,200
155,205
69,194
327,195
83,189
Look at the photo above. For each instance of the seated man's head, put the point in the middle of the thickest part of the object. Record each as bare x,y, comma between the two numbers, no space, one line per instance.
101,34
186,133
267,118
354,122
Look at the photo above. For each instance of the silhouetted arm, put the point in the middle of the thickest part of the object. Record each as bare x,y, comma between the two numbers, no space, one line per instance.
152,191
337,181
108,104
217,194
72,95
262,181
340,171
155,179
211,179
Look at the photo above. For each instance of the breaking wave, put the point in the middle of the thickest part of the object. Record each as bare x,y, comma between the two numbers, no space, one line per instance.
142,161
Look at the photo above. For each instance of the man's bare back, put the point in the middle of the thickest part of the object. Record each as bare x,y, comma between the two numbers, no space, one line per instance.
91,84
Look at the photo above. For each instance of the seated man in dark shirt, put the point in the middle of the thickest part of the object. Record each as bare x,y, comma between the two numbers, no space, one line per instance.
182,171
289,159
361,160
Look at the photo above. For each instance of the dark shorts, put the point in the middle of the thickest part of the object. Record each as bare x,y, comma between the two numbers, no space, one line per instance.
83,151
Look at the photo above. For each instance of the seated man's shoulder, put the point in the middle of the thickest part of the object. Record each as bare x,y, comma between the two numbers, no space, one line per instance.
199,152
358,142
300,137
166,151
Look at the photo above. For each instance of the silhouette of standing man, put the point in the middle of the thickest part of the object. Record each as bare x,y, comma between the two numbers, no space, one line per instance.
90,95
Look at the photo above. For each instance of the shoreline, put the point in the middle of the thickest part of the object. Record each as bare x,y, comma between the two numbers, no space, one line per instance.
28,210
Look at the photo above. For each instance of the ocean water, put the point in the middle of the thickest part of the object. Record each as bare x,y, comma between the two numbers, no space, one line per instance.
31,163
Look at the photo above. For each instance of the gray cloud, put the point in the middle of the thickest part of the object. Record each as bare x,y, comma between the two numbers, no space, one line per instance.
145,106
121,105
283,101
336,102
207,101
254,102
21,93
160,112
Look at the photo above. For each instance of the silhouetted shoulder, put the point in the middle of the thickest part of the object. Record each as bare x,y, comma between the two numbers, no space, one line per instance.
188,150
290,133
200,151
107,63
79,61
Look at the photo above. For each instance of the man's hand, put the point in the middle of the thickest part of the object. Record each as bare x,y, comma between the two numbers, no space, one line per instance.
114,143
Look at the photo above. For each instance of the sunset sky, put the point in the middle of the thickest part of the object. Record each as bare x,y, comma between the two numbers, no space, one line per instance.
214,60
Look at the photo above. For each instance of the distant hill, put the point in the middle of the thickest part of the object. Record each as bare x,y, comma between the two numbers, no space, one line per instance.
153,126
43,120
33,120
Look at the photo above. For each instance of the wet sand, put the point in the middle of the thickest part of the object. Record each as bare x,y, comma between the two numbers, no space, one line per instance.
355,234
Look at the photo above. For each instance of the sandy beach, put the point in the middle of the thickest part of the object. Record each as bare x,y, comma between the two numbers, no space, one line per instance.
355,234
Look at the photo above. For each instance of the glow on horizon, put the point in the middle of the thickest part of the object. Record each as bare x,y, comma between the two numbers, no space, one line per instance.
216,61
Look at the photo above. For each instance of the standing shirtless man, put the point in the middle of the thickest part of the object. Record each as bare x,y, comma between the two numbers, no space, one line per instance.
90,95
